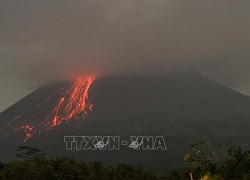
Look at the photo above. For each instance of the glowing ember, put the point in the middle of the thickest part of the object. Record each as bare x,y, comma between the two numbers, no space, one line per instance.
72,103
28,130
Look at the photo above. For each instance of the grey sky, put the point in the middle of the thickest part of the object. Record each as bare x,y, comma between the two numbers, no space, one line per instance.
46,40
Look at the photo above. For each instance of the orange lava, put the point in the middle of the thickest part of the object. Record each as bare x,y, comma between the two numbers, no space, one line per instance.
72,103
28,130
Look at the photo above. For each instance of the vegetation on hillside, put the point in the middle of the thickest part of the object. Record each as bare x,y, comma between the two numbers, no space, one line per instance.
202,162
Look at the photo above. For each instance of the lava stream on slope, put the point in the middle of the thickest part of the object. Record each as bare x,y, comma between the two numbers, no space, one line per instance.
72,103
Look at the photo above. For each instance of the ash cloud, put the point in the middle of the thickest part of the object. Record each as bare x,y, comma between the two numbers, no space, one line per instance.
44,40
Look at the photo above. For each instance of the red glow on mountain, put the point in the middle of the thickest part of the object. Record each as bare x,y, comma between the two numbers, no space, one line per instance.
72,103
28,130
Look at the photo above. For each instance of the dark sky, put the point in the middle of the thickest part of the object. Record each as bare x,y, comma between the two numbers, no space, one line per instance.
46,40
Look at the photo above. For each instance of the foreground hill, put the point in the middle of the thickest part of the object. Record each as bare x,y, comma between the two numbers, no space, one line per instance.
182,107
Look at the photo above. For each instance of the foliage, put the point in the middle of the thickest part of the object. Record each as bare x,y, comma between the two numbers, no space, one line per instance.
237,164
202,160
33,165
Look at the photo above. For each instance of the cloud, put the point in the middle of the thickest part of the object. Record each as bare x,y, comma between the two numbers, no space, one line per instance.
49,40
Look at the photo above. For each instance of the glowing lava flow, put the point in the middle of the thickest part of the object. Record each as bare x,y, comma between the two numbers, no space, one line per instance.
28,130
72,103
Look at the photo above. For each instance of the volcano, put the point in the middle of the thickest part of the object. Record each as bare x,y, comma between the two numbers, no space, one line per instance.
182,107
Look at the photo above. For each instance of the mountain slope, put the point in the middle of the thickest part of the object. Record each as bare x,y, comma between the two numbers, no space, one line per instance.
182,107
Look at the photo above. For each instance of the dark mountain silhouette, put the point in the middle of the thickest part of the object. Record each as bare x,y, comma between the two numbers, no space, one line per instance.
182,107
